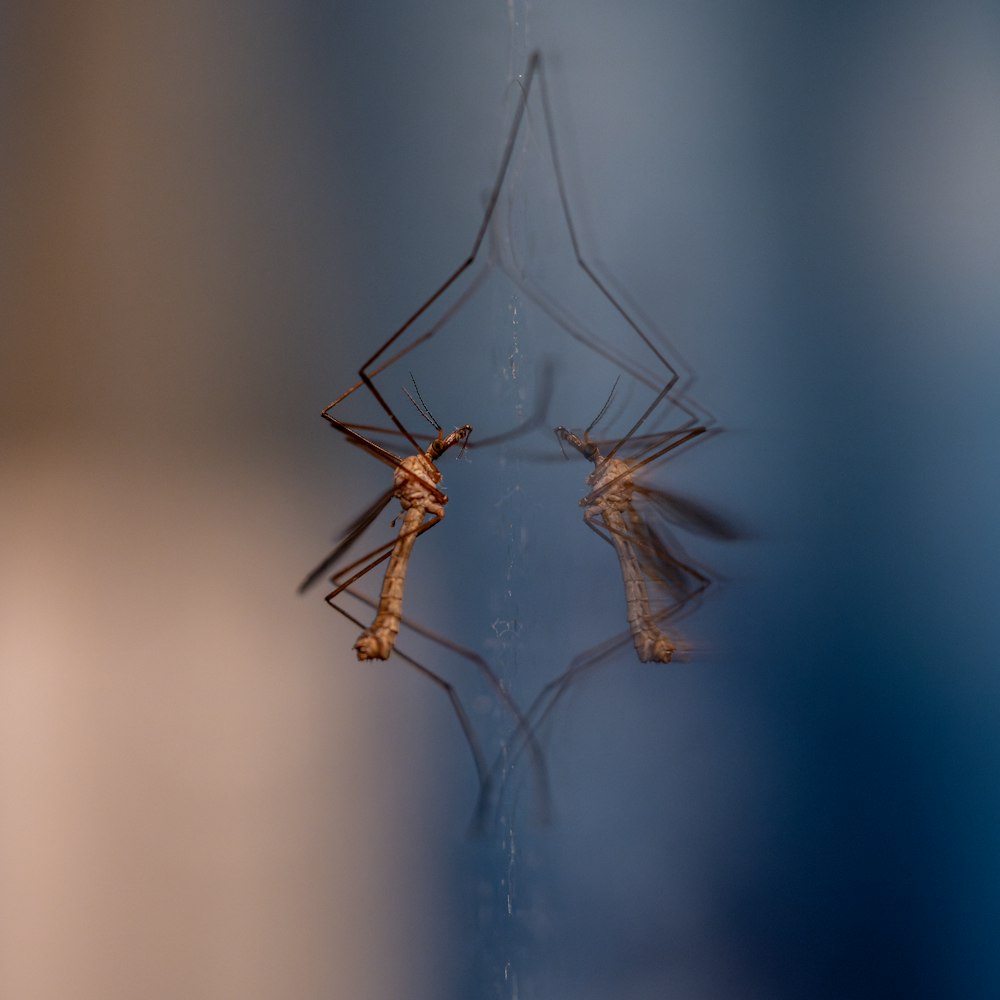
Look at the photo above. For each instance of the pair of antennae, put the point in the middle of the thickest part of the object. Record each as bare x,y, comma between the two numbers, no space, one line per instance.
604,408
422,408
593,423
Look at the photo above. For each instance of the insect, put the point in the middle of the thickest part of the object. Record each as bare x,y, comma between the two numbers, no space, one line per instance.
646,561
415,485
416,479
662,583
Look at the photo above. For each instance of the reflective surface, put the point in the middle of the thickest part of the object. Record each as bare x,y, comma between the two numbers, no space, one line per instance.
215,218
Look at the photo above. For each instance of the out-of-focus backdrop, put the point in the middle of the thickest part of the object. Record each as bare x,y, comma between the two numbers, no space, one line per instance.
212,215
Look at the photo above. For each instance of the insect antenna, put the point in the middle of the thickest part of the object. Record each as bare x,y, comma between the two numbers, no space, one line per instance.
604,408
421,407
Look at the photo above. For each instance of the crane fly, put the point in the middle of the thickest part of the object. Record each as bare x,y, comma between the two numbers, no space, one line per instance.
623,511
645,560
415,486
416,481
523,736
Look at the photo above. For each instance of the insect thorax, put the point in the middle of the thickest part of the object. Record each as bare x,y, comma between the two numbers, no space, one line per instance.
414,482
612,481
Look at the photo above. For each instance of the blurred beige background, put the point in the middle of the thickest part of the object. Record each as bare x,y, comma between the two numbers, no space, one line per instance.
192,798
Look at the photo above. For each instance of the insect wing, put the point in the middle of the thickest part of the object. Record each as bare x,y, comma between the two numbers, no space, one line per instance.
351,534
689,514
662,561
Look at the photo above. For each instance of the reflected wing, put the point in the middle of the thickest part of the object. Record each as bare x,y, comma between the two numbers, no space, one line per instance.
350,535
663,562
690,514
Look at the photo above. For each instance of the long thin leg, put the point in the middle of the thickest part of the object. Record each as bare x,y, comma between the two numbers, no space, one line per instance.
522,731
660,553
370,369
672,373
549,696
539,418
382,552
461,714
350,535
365,376
632,467
546,699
